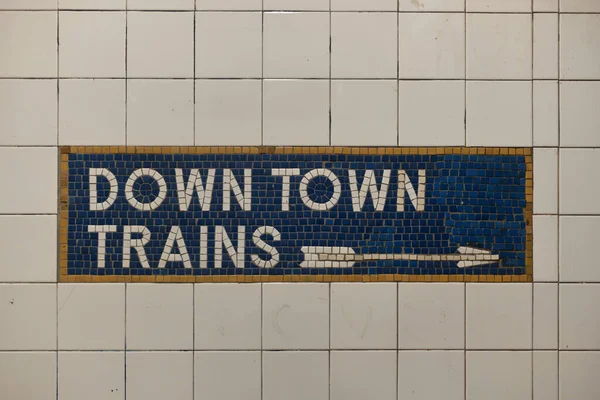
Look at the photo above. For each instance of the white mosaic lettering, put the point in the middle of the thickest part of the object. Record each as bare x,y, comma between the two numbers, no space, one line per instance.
162,194
114,187
335,197
405,185
256,238
231,184
185,193
175,236
101,230
137,244
222,239
285,173
369,185
204,247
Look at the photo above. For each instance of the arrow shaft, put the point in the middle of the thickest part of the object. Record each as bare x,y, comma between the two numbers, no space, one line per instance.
409,257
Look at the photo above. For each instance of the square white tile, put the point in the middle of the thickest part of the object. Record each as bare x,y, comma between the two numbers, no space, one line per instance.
295,316
228,45
364,5
28,112
296,5
229,5
17,262
431,113
19,369
417,370
432,46
364,45
545,46
160,112
81,329
545,113
160,375
499,316
545,375
499,113
499,375
28,45
545,248
92,4
545,5
578,168
431,315
578,375
295,375
578,246
91,375
91,112
227,316
358,375
29,5
545,182
228,112
580,113
296,45
364,316
493,6
213,371
160,4
160,317
579,317
579,6
18,160
364,113
431,5
28,314
296,112
545,316
92,44
579,42
160,45
499,46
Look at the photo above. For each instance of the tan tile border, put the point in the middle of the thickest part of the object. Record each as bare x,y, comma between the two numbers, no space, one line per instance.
64,216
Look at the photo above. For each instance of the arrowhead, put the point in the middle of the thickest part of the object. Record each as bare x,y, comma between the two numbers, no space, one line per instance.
472,250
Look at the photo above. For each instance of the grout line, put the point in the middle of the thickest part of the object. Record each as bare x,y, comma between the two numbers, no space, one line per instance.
558,156
194,80
58,161
465,76
533,194
261,340
397,338
398,84
262,93
330,76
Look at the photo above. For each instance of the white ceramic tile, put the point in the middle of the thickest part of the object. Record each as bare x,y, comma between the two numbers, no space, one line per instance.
498,316
364,316
92,44
364,45
28,315
432,45
545,46
579,168
545,245
91,316
578,249
20,369
296,112
545,113
431,316
498,6
364,113
578,375
417,370
92,112
160,4
296,45
160,375
545,185
499,375
545,5
28,5
91,375
358,375
579,317
228,44
432,5
157,106
364,5
499,46
579,43
579,6
28,112
17,262
227,316
545,375
229,5
295,375
580,113
295,316
545,316
28,44
20,183
160,317
92,4
160,45
296,5
499,113
214,370
432,113
228,112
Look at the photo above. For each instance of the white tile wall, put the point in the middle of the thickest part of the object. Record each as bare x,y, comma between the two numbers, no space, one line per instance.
292,72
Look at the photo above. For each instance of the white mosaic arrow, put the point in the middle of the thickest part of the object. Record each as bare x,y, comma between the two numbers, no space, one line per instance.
346,257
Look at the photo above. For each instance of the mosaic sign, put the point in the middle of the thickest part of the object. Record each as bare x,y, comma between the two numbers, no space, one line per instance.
260,214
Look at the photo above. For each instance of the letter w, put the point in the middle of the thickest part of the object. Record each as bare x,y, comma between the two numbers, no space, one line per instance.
369,185
186,193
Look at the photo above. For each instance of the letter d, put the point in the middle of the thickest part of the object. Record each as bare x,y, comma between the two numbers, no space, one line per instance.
114,188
